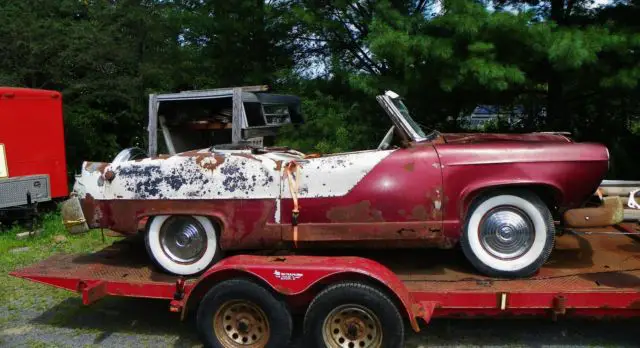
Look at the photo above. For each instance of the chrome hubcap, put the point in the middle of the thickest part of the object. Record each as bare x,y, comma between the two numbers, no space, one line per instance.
506,232
183,239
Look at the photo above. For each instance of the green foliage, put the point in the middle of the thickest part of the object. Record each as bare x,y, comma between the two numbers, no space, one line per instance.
327,127
578,63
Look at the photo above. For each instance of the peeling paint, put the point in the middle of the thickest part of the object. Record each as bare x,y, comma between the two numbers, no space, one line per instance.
209,162
203,174
277,214
360,212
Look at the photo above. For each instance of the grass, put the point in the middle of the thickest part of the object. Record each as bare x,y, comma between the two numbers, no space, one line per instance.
57,316
17,293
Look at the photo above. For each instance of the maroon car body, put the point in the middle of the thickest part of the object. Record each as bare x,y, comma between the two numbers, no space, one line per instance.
414,195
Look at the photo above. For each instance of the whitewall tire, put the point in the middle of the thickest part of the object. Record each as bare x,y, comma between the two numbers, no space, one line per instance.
508,234
182,244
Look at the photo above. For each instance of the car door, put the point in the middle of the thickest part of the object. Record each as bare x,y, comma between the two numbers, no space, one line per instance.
367,198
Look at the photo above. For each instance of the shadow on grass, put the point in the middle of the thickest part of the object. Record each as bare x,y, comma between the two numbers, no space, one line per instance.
129,316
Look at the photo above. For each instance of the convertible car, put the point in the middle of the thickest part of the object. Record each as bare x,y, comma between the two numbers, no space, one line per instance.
498,196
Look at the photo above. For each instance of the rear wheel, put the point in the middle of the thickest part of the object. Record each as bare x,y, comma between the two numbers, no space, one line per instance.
508,234
353,315
239,313
182,244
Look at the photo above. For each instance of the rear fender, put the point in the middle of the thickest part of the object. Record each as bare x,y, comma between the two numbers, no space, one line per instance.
295,275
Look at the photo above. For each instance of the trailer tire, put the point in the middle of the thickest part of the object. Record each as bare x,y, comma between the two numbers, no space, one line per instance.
172,258
508,234
239,312
355,315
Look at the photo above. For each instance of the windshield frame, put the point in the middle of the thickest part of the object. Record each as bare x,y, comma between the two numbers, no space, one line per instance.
399,114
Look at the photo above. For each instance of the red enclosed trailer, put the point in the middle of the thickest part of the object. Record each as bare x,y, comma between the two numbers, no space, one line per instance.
32,153
363,299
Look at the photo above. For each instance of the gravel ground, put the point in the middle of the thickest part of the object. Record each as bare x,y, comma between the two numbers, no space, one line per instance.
117,322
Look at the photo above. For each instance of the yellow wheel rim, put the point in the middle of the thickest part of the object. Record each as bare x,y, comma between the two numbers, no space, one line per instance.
352,326
241,324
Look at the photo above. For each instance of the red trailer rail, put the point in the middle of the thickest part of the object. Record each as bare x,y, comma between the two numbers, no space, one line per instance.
587,275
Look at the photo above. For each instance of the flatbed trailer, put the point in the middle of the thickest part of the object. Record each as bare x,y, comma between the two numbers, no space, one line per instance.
591,274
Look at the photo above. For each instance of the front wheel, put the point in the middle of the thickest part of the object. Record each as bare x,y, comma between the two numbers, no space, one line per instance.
508,234
182,244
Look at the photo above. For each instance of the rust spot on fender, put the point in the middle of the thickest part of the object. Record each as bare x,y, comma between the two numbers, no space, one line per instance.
109,175
447,243
91,211
409,166
387,235
194,153
209,162
419,212
278,165
246,155
359,212
635,305
435,196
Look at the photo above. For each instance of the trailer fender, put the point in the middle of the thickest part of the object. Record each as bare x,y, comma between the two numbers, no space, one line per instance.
294,275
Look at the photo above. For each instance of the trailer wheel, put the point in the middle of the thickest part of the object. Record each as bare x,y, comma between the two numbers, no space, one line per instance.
240,313
508,234
353,315
182,244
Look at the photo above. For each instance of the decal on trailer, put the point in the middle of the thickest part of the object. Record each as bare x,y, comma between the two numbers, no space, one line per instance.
4,171
286,275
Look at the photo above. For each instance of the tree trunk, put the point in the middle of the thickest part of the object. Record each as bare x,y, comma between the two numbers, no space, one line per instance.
556,112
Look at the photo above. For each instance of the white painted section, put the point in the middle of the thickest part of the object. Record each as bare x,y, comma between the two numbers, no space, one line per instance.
180,177
4,171
89,181
235,177
336,175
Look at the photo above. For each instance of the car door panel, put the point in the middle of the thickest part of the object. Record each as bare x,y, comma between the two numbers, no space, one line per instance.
392,195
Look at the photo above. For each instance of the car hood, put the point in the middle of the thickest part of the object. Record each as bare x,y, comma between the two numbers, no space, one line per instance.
472,138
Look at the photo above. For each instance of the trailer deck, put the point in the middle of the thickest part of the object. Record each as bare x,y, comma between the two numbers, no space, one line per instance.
594,275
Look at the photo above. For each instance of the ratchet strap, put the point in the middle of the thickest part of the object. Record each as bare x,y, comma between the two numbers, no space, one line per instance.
293,176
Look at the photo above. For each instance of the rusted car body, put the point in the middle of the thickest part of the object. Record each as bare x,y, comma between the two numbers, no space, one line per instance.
414,195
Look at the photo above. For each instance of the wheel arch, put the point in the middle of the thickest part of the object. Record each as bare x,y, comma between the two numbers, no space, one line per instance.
218,220
550,194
